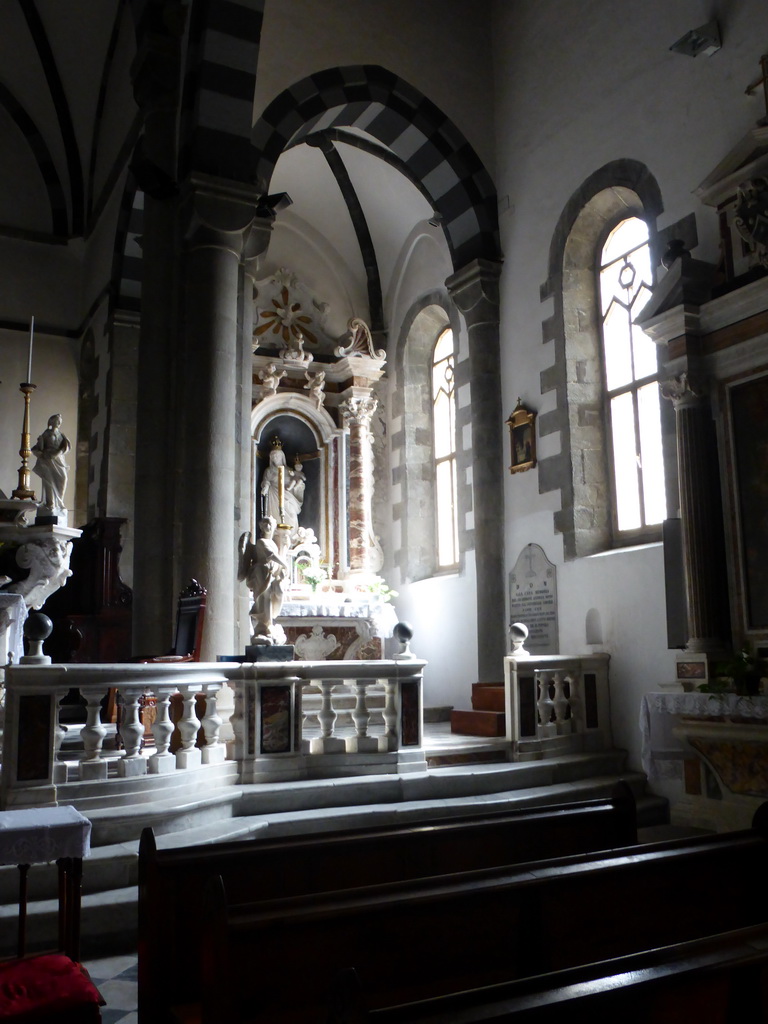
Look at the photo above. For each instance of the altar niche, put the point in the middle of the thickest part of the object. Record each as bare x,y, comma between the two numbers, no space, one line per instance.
298,444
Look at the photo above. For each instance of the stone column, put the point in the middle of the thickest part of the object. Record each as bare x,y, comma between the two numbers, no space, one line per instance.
357,411
700,515
219,224
156,75
475,290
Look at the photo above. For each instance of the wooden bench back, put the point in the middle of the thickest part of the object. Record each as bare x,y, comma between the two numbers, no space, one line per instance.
171,882
418,939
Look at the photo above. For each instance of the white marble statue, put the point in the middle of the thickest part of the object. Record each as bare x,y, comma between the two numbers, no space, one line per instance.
267,576
50,449
316,387
270,378
294,483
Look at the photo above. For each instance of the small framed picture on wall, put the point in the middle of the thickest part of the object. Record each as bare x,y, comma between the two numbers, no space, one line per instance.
522,438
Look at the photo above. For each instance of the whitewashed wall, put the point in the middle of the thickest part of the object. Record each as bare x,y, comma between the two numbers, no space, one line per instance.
578,86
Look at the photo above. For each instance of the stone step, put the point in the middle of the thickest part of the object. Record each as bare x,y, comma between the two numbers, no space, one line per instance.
488,697
478,723
110,874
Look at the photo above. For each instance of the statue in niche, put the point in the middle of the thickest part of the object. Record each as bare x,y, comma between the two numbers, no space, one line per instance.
282,489
267,576
50,449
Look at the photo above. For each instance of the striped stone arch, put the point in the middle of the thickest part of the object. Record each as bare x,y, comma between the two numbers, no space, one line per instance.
430,147
58,204
127,267
219,83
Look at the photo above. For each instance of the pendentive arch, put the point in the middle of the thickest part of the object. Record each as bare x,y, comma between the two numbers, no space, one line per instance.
414,129
620,189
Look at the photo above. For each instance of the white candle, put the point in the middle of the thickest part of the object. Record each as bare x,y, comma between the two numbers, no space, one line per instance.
31,339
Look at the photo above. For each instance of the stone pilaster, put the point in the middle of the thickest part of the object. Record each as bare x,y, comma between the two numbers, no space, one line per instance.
700,514
475,290
357,411
220,227
156,76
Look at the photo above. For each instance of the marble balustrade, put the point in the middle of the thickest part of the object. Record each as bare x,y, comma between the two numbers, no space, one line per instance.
273,738
557,703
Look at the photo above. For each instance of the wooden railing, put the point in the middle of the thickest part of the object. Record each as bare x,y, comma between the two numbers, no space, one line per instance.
557,704
271,740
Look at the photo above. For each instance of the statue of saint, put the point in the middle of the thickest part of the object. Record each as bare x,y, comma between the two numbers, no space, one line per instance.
266,576
50,449
291,490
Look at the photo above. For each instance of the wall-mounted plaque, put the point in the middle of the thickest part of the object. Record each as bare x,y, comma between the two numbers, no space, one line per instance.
533,599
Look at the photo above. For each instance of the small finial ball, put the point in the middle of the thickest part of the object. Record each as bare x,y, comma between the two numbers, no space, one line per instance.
403,631
518,631
37,626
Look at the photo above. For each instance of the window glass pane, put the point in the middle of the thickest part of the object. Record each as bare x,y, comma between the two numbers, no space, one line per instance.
447,530
625,463
649,417
444,346
443,418
630,233
618,351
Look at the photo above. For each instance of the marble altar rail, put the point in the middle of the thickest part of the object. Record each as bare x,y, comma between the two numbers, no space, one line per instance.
273,739
557,704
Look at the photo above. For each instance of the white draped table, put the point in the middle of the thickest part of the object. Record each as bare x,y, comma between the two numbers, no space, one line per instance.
39,836
660,714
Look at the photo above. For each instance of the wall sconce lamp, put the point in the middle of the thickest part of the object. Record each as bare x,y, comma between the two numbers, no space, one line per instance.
705,39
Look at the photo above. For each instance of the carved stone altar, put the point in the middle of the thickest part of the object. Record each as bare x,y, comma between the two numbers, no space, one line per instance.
34,564
332,627
314,397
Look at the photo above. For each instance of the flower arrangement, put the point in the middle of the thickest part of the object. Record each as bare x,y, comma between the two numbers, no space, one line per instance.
314,576
378,587
742,674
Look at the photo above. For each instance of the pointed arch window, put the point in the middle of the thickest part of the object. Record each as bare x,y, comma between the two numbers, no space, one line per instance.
631,389
444,441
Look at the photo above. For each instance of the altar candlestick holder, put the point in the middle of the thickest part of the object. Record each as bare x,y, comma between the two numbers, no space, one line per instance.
24,492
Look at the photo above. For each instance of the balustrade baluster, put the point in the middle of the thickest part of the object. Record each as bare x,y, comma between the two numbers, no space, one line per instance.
560,702
326,743
132,732
93,765
544,703
188,755
576,702
162,760
361,742
59,732
214,751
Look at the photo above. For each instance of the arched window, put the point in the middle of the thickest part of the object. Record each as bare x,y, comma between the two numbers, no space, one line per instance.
631,390
444,442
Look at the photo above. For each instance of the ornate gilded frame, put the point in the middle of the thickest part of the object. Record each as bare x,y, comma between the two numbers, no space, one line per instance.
522,438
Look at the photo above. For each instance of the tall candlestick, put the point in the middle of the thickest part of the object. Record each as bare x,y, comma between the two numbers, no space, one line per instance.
31,339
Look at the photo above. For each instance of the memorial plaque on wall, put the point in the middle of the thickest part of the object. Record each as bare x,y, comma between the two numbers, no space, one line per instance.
533,599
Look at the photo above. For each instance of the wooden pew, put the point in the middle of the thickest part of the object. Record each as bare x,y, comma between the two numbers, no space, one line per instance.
720,979
422,938
171,882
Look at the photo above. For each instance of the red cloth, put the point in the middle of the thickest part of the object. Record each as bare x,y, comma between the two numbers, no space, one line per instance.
47,988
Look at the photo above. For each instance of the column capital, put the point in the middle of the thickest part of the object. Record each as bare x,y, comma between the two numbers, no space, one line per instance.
221,214
475,290
686,390
359,409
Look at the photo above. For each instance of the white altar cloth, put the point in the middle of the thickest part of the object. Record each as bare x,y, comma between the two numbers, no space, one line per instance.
41,834
660,713
381,613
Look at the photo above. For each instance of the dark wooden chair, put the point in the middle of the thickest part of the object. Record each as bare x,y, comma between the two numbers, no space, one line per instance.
190,618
